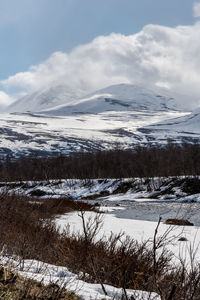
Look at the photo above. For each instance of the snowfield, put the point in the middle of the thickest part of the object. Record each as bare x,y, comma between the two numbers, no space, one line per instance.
27,133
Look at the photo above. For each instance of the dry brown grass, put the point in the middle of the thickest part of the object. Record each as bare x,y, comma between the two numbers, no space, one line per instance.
12,286
26,232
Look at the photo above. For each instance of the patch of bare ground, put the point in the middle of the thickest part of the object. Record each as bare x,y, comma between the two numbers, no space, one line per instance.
12,286
179,222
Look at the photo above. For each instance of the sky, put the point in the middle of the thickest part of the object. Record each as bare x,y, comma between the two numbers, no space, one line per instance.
89,44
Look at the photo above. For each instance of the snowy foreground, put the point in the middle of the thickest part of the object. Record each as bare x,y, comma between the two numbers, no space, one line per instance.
48,274
138,229
141,231
134,212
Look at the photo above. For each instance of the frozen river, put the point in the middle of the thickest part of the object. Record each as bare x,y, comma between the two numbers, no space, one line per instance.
139,221
151,211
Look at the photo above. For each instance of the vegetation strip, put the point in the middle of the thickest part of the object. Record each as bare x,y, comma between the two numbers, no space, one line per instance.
141,161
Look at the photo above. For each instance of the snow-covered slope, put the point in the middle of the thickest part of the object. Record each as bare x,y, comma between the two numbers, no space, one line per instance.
122,97
27,133
185,128
61,100
124,114
46,98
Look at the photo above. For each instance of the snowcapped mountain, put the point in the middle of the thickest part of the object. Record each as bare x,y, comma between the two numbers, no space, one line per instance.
122,97
59,100
46,98
68,121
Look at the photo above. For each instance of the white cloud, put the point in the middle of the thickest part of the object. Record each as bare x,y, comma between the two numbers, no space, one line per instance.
196,9
5,99
157,55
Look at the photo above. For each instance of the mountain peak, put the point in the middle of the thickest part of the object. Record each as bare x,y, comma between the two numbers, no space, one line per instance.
62,100
122,97
46,98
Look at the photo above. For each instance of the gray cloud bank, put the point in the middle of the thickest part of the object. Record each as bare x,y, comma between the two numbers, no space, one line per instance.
157,55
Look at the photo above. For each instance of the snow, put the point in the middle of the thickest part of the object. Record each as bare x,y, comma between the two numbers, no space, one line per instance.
81,189
136,216
183,127
141,231
73,188
48,274
122,97
23,133
46,98
66,120
106,209
144,197
127,197
62,100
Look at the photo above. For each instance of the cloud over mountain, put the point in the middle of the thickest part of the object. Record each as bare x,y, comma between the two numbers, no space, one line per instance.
157,55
